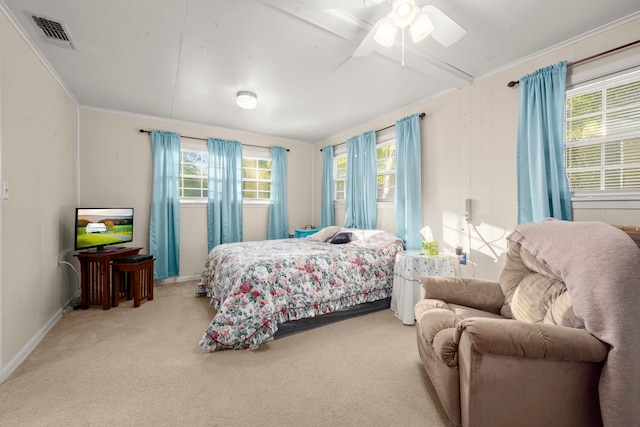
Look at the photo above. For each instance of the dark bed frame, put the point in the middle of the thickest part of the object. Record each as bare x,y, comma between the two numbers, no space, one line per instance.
293,327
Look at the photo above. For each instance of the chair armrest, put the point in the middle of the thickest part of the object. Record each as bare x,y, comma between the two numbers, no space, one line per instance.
476,293
515,338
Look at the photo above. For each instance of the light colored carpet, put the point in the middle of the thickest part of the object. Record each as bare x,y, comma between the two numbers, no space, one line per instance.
143,366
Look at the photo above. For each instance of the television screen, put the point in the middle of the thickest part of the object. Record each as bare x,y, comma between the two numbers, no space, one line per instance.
100,227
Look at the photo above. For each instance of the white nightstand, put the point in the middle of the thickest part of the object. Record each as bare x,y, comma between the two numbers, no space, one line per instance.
409,268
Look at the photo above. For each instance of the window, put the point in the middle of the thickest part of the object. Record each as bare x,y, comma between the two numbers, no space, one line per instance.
194,180
386,171
340,175
256,178
386,158
193,173
603,137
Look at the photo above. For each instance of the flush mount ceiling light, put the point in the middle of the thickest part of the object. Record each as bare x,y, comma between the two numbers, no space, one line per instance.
247,100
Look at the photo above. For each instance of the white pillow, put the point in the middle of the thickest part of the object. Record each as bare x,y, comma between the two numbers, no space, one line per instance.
325,234
359,234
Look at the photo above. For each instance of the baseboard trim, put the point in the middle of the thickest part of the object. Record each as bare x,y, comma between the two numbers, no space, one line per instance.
31,345
176,279
33,342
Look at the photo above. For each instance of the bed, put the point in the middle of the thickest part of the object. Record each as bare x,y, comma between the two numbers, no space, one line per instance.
257,286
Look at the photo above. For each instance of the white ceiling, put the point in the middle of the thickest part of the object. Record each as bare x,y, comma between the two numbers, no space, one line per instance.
186,59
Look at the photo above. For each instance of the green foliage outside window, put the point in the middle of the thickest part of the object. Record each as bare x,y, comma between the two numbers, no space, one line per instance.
193,181
256,178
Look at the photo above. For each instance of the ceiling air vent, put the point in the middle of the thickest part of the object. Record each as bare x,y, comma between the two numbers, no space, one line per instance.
52,31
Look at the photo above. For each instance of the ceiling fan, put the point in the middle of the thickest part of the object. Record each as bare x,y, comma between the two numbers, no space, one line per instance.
421,21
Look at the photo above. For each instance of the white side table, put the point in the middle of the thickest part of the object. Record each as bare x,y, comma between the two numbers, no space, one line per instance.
409,268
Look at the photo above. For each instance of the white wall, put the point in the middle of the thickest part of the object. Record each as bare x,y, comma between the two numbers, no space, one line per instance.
39,164
116,170
469,151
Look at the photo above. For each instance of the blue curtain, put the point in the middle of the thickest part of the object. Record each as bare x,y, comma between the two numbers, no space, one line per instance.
224,209
278,218
361,183
327,213
164,221
408,181
543,188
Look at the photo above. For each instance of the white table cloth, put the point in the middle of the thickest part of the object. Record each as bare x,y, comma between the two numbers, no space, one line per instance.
409,268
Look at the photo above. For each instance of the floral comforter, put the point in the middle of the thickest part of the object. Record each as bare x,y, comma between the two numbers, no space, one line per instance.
254,286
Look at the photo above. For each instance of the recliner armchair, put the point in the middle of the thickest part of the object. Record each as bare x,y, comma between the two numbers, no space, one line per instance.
513,352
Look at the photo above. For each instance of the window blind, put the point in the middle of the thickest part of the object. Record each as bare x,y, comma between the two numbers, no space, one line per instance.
603,135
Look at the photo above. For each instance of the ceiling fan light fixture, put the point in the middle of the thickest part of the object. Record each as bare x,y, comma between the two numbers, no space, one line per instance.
386,33
446,31
247,100
404,12
421,27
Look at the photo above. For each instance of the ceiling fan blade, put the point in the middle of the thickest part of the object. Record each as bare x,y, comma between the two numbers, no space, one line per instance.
339,4
446,31
368,45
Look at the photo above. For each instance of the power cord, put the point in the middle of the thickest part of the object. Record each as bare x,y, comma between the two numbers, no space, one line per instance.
72,267
75,303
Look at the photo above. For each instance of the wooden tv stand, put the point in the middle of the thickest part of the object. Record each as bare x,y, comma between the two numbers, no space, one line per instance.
95,275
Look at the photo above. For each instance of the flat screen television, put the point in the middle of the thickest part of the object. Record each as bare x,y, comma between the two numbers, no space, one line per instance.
100,227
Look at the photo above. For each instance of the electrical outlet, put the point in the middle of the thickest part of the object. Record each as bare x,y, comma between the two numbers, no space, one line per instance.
5,190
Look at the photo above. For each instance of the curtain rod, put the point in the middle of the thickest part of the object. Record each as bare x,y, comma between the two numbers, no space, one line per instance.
205,139
589,58
379,130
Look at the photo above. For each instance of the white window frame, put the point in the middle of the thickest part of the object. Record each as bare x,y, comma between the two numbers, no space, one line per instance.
604,199
384,141
256,155
195,148
246,154
341,152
